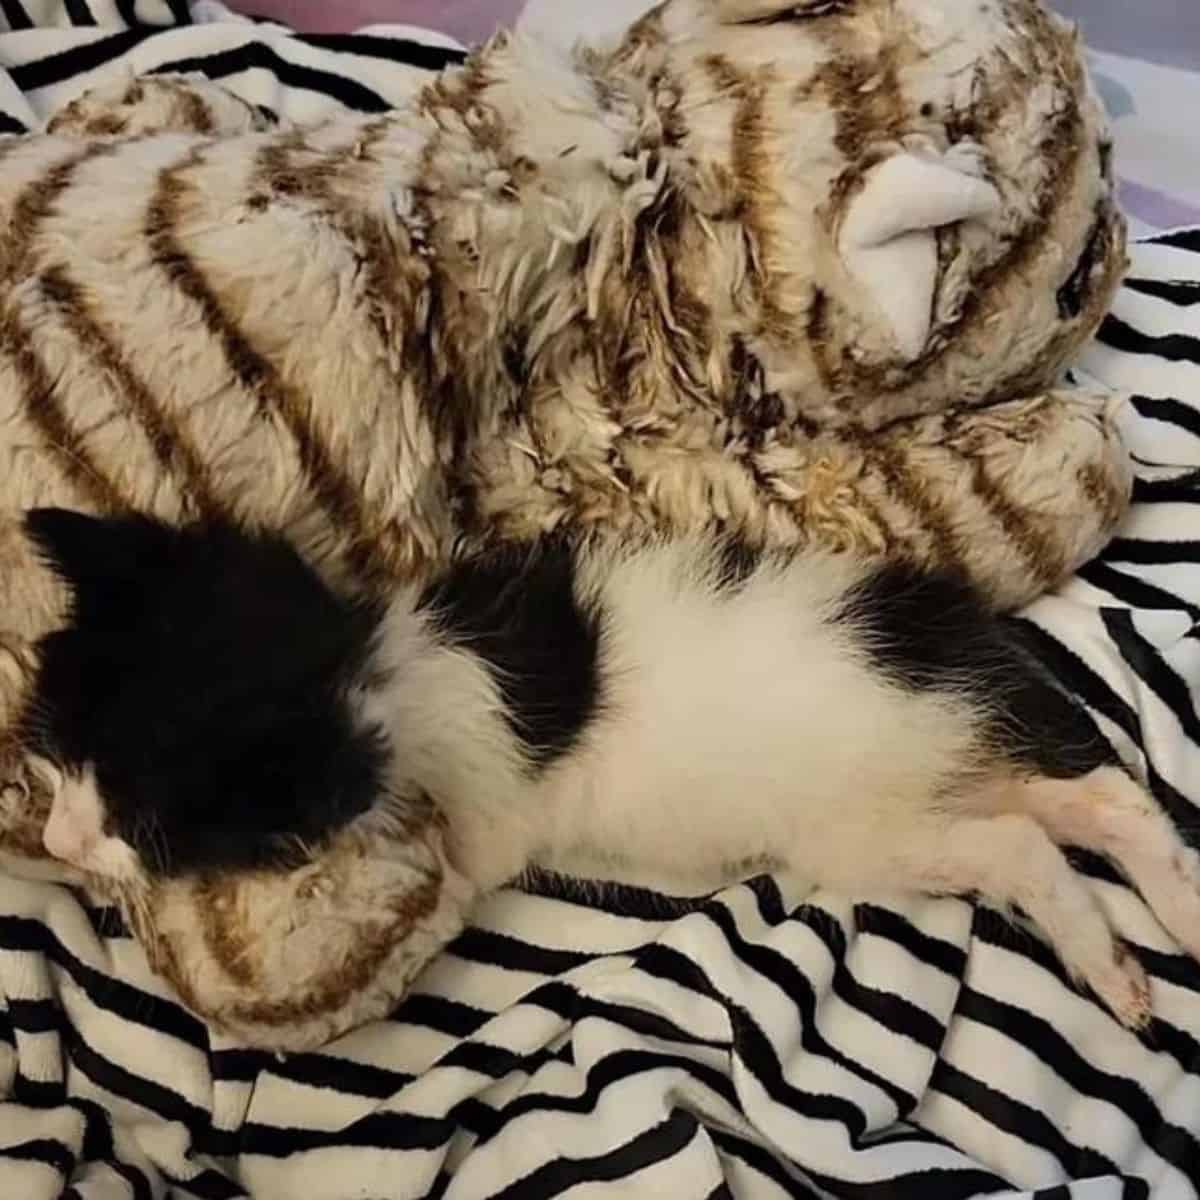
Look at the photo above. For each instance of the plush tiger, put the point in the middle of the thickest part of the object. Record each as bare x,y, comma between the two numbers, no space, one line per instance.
809,272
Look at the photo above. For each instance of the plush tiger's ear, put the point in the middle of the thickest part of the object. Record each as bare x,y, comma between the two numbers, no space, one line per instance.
888,238
104,561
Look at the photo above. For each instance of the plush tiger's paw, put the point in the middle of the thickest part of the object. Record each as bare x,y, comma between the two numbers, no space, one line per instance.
128,108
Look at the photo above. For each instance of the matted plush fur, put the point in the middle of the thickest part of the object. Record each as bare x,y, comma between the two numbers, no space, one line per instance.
649,287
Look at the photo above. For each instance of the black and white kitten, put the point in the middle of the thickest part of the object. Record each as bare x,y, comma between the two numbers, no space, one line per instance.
669,714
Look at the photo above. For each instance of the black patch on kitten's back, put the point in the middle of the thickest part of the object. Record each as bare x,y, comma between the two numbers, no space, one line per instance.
736,562
204,673
516,608
932,631
924,630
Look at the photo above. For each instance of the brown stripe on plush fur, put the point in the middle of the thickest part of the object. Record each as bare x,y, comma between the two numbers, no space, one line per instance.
44,411
180,457
10,143
290,166
338,496
866,100
275,172
39,397
895,547
752,172
834,506
1099,488
198,115
911,489
35,203
228,938
1035,545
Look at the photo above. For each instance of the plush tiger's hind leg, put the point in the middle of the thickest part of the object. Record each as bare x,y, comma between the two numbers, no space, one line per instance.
127,108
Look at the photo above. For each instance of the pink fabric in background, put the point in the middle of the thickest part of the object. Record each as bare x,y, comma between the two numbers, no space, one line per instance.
469,21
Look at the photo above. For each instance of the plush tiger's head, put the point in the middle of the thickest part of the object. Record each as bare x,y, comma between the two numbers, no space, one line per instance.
898,204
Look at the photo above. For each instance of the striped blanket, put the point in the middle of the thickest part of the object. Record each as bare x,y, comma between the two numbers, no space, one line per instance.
627,1043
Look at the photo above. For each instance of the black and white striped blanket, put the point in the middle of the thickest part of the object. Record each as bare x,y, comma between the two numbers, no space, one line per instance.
631,1044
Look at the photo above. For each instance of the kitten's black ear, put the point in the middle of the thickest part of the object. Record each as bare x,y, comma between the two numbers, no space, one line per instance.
103,560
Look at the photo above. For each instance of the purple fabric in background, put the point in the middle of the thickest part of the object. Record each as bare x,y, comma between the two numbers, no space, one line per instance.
1160,31
1157,208
469,21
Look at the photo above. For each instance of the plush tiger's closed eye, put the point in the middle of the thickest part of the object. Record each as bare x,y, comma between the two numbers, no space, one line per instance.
762,12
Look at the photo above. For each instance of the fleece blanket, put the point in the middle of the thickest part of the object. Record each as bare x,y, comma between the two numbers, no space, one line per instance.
586,1043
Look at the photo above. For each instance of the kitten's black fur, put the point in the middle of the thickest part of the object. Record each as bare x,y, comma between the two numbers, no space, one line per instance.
204,673
932,631
518,611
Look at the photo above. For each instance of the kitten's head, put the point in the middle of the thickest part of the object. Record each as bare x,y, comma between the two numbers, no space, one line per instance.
202,699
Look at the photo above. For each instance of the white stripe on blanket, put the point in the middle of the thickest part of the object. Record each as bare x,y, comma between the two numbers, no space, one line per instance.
624,1043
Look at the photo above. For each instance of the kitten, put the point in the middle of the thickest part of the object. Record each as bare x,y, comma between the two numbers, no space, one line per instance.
662,714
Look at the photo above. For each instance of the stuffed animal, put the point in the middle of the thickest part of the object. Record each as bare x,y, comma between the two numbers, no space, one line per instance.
809,272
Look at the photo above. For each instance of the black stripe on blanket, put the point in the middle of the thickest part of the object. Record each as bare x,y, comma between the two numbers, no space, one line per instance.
1091,688
1180,239
15,15
1137,593
763,1163
1183,292
79,12
1164,408
78,60
42,1150
1174,347
1145,553
258,56
175,13
394,50
208,1184
656,1144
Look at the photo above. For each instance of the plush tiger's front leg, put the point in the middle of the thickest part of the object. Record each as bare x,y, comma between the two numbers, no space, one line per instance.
127,108
1017,495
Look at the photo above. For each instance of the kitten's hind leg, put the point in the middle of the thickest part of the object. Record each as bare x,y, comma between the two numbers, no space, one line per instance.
1107,812
1009,860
